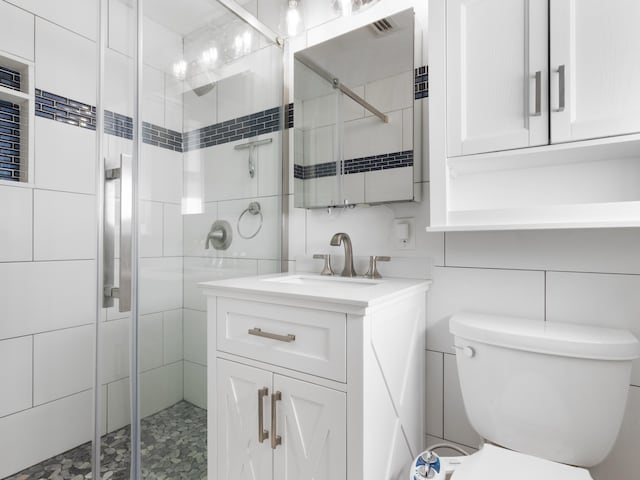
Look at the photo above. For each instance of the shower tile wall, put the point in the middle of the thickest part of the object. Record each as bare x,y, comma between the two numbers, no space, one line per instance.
583,276
47,245
220,175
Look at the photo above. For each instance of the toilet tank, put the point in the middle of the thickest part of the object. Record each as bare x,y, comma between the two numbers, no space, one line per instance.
549,389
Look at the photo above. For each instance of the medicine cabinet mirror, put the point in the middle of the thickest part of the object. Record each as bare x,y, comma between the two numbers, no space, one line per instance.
354,116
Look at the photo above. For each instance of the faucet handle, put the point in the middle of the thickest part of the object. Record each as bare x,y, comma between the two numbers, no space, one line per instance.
326,269
373,265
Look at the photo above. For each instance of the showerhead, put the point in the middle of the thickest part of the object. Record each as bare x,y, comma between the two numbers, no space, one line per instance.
204,89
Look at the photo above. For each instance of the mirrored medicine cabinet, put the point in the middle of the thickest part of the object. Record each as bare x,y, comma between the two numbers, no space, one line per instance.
354,121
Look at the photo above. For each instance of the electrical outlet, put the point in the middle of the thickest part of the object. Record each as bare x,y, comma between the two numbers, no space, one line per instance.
403,233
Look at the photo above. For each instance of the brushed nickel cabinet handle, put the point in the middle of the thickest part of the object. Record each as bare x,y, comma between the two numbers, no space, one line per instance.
262,433
275,438
538,105
561,87
273,336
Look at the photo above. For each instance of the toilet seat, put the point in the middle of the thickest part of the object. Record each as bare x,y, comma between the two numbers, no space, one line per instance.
496,463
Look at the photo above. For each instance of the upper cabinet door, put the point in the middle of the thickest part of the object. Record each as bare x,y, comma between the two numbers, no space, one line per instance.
595,68
312,422
240,454
497,75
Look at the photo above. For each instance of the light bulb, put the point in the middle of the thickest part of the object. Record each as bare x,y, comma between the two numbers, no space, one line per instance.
294,19
346,7
209,57
180,70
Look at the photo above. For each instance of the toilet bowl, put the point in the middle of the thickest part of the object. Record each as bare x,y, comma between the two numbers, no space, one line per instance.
549,397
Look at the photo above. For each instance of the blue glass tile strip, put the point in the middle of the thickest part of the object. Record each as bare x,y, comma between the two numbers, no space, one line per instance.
9,78
65,110
9,141
355,165
421,83
266,121
289,116
161,137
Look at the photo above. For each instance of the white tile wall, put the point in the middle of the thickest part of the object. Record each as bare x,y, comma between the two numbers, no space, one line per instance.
16,375
596,299
195,384
65,62
195,336
151,228
16,221
153,96
16,35
44,296
172,231
64,226
119,78
160,175
173,337
160,284
160,388
79,16
61,149
198,269
594,250
57,426
118,405
115,351
151,341
516,293
62,363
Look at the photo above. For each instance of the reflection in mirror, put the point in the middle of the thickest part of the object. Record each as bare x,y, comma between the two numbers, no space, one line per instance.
354,116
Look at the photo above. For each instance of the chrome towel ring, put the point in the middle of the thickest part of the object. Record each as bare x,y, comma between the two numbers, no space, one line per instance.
254,208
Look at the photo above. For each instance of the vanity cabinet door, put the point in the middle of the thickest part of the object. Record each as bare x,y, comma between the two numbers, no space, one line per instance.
312,423
240,454
595,56
497,75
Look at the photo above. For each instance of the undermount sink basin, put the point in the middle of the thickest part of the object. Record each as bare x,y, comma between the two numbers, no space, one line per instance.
320,281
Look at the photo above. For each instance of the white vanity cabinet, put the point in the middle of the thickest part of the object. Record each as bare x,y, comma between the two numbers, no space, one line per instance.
534,114
323,380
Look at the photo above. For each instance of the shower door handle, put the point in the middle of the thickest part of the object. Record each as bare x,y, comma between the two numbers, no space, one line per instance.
123,290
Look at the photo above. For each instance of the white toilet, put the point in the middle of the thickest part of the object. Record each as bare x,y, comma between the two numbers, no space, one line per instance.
548,397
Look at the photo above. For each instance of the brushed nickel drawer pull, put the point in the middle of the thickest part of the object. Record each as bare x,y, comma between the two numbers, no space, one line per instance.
273,336
275,438
262,433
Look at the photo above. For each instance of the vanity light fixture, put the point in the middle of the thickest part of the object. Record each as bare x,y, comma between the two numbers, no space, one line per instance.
180,70
293,21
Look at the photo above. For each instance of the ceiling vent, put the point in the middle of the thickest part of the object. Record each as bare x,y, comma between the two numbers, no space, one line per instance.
383,26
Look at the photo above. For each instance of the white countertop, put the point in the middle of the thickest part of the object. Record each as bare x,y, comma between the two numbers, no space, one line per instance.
355,292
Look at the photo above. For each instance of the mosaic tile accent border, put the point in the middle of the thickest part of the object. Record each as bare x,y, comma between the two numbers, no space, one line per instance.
10,78
65,110
62,109
355,165
162,137
288,121
266,121
421,82
9,141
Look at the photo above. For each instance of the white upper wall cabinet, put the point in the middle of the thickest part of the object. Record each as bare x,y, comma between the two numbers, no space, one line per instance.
595,59
497,75
534,114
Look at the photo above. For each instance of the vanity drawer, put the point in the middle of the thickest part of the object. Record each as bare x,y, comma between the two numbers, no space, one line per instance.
306,340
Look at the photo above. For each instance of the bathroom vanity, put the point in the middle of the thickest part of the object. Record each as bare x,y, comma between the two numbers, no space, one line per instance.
314,377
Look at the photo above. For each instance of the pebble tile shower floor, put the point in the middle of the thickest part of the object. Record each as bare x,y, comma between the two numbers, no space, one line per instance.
174,447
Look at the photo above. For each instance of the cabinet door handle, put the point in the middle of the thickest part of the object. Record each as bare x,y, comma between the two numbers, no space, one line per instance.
273,336
275,438
538,105
562,71
262,433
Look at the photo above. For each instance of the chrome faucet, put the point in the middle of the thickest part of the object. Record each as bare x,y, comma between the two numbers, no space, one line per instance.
343,238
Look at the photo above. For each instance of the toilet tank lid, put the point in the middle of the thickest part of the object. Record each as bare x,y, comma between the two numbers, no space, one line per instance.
553,338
